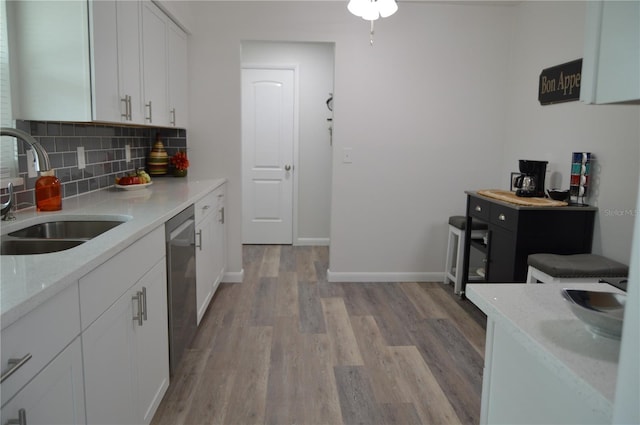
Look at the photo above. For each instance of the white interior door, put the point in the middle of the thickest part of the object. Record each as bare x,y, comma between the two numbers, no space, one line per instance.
267,155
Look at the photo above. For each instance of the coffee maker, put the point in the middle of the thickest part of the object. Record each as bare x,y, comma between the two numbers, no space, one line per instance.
530,182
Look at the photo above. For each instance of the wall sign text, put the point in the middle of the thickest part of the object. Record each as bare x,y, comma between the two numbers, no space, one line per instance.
560,83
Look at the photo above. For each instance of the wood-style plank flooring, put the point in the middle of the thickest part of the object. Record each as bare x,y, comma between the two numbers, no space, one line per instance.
287,347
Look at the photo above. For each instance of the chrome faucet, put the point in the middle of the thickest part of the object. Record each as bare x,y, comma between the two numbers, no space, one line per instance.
41,155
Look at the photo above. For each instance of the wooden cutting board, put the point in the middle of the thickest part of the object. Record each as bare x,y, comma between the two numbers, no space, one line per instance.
507,196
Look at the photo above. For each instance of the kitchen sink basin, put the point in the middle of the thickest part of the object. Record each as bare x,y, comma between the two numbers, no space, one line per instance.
66,229
36,246
54,236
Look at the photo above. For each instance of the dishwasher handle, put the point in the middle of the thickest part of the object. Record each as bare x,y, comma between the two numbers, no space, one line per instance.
176,233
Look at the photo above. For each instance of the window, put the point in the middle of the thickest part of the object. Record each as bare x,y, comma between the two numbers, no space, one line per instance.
8,147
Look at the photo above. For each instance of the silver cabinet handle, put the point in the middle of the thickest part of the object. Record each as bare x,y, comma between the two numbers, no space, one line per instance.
206,207
127,107
138,298
478,208
22,418
150,117
144,303
199,244
222,215
501,217
173,116
14,365
287,167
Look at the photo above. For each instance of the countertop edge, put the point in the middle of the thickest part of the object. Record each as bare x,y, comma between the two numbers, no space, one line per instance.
531,207
596,398
15,312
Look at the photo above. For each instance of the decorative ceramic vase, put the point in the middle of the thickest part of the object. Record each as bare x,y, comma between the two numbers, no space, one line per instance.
179,172
158,162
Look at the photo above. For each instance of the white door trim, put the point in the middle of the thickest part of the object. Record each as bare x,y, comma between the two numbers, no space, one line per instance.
296,132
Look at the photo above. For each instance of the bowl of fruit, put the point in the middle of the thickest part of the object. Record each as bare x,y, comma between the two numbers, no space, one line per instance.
136,181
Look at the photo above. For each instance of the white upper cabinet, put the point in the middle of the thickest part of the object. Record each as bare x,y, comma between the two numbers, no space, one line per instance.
178,79
154,53
130,96
50,61
611,64
101,60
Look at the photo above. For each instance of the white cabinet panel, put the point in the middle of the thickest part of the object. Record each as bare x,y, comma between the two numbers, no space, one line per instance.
55,395
178,79
126,359
154,53
611,64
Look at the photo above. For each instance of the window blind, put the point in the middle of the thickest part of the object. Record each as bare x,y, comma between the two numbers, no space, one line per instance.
8,147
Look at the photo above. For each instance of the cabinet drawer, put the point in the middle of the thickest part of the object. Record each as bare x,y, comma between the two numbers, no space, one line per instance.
105,284
479,208
504,217
205,206
42,333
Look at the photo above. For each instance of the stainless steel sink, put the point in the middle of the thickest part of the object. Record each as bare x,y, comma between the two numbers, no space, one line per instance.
53,236
66,229
36,246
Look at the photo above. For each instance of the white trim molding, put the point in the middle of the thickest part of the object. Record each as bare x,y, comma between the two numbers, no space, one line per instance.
312,241
233,277
384,277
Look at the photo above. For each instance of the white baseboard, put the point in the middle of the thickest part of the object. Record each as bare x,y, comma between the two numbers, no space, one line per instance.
312,242
234,277
384,277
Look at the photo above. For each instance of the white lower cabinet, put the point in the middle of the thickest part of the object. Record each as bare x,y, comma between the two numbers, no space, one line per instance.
126,354
210,251
54,396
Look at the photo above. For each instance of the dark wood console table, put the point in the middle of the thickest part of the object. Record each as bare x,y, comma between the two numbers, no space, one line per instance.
515,231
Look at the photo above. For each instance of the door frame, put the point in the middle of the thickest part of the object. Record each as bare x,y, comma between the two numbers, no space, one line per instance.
296,136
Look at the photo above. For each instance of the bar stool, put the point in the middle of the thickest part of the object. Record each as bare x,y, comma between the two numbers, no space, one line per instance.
455,248
584,268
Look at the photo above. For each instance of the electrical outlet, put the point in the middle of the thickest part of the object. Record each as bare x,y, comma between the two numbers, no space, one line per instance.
81,162
31,164
127,153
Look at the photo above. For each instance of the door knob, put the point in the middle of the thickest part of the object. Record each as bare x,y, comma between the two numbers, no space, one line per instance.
287,167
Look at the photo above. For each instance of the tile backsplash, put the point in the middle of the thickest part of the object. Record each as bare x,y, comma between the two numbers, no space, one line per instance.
104,147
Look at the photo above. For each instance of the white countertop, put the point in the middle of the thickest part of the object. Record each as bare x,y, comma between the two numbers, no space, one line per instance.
539,318
28,280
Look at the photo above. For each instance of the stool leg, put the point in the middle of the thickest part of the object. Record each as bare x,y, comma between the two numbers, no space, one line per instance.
530,278
457,288
449,261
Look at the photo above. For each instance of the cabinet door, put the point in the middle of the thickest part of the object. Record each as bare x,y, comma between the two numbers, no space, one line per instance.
205,262
154,53
108,365
501,255
152,343
130,61
219,249
611,63
55,395
104,67
178,87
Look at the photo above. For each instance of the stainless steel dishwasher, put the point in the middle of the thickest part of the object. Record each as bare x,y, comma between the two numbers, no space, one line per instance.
181,281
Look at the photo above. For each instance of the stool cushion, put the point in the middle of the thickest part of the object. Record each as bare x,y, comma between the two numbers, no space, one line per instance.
460,222
577,265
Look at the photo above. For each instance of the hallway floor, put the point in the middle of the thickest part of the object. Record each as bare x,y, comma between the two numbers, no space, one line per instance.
287,347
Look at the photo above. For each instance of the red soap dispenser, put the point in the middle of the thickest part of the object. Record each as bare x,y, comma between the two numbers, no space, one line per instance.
48,193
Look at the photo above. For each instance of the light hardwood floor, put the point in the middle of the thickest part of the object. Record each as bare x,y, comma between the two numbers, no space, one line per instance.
287,347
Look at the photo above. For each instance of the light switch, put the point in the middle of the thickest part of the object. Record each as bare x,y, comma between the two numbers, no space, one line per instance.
347,155
81,161
127,153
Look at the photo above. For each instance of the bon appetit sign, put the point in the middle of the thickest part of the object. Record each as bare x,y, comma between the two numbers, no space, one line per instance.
560,83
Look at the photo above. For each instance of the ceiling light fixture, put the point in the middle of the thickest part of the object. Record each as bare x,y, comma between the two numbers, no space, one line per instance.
371,10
